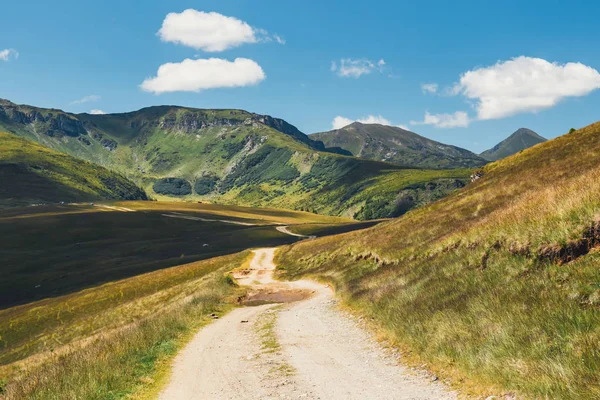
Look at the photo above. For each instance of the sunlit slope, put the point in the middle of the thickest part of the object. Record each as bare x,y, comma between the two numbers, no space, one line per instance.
233,157
497,284
31,173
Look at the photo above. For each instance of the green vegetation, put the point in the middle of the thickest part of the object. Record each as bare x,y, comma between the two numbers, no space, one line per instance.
398,146
31,173
172,187
86,344
496,286
236,157
520,140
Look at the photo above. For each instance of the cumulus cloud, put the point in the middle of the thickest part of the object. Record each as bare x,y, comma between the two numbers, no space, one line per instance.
196,75
87,99
97,112
524,84
429,87
340,122
7,54
210,31
354,68
459,119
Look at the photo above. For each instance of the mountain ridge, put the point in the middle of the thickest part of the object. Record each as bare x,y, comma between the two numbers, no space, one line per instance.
398,146
232,157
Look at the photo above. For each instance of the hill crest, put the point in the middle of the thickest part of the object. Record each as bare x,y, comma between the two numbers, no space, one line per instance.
399,146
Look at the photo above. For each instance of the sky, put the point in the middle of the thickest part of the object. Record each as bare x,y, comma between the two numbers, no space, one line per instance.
467,73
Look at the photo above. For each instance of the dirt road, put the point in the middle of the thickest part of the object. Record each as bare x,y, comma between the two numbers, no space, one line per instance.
304,349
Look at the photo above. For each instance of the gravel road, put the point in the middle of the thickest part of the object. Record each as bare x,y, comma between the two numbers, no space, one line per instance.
304,349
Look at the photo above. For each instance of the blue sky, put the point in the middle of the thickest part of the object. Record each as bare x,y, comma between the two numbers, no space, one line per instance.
103,51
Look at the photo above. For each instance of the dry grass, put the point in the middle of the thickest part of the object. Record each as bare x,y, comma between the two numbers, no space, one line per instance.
481,285
106,342
263,215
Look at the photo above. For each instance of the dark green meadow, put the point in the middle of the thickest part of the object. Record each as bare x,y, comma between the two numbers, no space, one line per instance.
55,250
57,254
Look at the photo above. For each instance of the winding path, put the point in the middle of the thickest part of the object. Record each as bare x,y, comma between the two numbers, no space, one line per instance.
303,349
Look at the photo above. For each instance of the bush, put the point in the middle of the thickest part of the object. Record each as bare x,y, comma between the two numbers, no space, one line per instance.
172,187
205,184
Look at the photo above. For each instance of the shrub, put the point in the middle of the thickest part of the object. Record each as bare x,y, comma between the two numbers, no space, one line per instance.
172,187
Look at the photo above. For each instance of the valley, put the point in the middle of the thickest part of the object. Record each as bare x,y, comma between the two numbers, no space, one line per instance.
297,200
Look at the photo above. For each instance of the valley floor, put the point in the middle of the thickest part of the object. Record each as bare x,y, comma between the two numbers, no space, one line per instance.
298,349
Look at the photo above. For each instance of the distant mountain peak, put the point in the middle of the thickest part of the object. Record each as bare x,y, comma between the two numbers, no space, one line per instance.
397,145
521,139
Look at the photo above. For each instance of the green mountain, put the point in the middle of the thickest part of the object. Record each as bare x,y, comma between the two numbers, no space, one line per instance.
31,173
232,157
496,286
522,139
398,146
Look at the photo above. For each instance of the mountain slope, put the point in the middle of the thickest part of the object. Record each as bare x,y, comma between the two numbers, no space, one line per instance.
31,173
521,139
399,146
494,286
231,156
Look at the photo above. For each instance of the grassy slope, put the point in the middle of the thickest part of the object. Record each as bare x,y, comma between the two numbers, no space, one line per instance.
399,146
491,286
32,173
233,156
110,341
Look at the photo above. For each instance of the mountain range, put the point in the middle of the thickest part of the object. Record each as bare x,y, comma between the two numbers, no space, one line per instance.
398,146
233,157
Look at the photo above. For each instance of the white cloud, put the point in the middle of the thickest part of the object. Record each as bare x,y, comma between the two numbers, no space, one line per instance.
459,119
97,112
196,75
7,54
279,39
429,87
210,31
524,84
340,122
87,99
354,68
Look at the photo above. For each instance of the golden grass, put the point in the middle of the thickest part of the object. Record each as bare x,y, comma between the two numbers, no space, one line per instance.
268,215
108,341
476,285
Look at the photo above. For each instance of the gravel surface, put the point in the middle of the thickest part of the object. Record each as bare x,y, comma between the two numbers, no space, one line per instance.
305,349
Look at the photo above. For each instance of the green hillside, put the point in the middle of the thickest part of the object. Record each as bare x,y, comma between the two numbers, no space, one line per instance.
521,139
233,157
31,173
496,286
398,146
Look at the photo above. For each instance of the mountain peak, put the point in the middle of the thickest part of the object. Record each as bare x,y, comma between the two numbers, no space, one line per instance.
397,145
521,139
